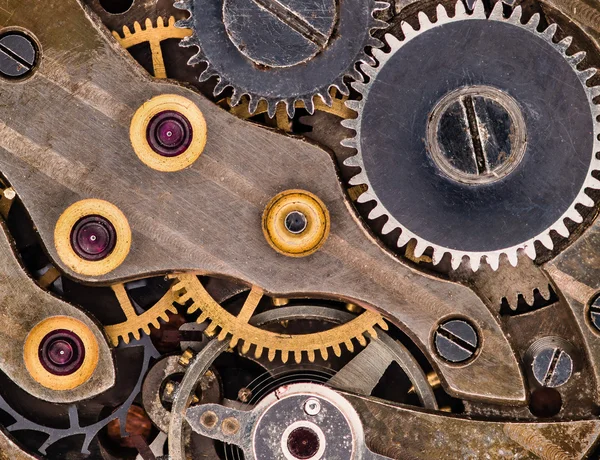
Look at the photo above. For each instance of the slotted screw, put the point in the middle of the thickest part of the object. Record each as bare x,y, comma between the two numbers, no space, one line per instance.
18,55
456,341
552,367
594,313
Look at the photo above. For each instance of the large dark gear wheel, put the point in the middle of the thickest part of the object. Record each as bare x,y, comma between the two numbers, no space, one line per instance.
491,153
281,51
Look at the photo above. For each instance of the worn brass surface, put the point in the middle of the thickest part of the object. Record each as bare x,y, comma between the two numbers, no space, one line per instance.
33,345
23,305
207,218
310,239
68,220
139,128
450,437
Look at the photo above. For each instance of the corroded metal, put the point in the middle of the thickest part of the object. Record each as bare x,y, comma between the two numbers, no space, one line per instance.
206,219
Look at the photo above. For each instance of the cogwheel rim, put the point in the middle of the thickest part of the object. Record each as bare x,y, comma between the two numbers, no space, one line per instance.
136,324
474,258
188,288
289,101
154,36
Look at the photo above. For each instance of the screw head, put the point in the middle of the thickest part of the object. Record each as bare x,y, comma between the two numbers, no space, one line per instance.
312,407
301,29
476,135
456,341
209,419
18,55
552,367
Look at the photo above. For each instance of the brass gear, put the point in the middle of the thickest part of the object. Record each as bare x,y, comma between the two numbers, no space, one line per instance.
153,35
136,324
239,330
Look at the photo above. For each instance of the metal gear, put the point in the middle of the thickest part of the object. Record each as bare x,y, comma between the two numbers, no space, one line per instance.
500,211
154,36
315,51
239,329
138,323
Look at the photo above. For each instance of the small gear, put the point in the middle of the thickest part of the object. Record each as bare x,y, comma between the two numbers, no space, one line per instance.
281,51
239,328
154,36
483,148
138,323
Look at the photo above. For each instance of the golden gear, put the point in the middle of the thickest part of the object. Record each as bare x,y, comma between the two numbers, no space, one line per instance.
153,36
189,288
135,324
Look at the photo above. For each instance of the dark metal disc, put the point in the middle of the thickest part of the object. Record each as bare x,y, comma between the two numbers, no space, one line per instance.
486,217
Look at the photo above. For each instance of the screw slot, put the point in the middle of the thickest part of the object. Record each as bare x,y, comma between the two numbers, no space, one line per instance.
456,341
18,55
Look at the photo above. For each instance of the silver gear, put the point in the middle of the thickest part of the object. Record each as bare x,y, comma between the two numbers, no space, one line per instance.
362,178
294,85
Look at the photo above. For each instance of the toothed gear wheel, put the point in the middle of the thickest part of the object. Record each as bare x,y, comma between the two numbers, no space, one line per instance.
281,51
238,330
487,142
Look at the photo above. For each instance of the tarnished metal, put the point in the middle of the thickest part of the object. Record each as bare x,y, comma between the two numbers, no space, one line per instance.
68,159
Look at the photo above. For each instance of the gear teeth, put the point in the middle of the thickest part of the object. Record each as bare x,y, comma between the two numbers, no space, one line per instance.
550,31
388,227
586,74
311,355
424,21
561,229
285,356
362,340
309,105
575,216
585,200
258,351
420,248
349,346
475,263
350,161
576,58
324,353
564,44
497,13
546,240
529,250
381,6
516,16
235,98
253,103
220,87
493,261
455,261
441,13
408,30
534,22
513,258
360,179
459,9
271,356
479,10
376,212
327,99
